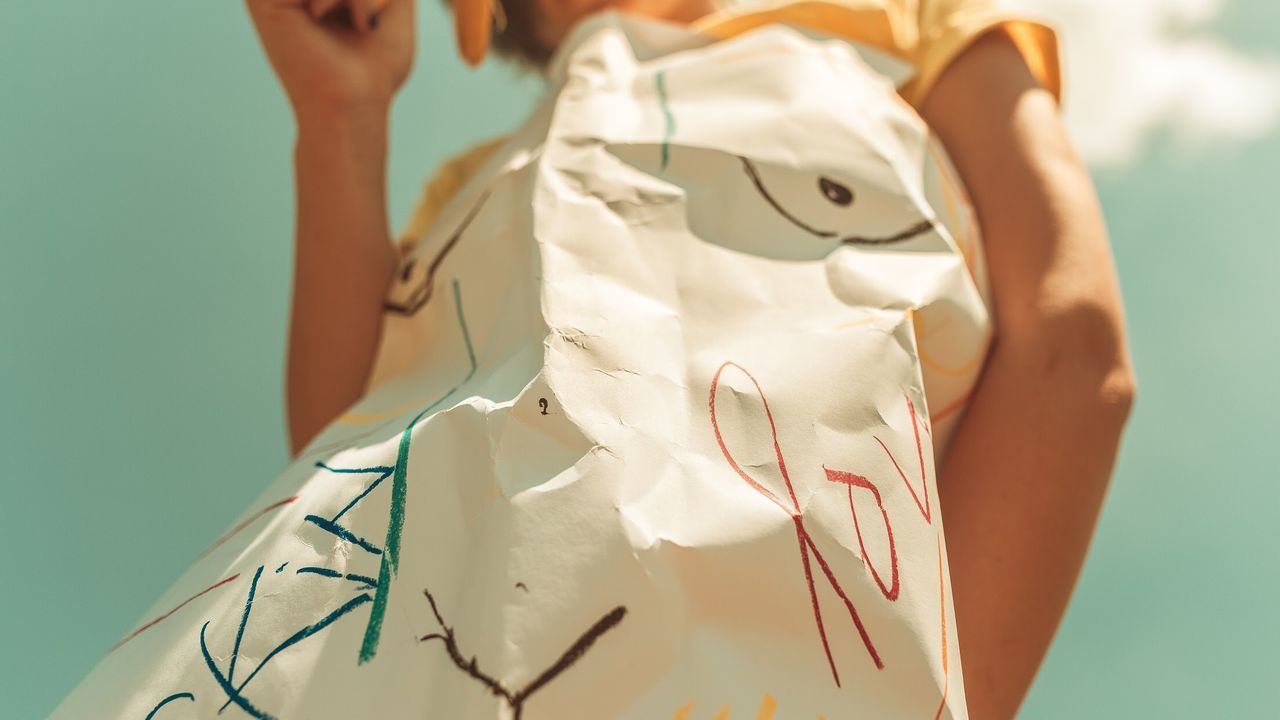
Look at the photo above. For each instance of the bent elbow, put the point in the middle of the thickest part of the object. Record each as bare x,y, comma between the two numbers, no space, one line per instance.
1079,355
1119,391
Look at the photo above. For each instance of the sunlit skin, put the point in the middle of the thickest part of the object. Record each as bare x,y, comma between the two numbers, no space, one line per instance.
1029,464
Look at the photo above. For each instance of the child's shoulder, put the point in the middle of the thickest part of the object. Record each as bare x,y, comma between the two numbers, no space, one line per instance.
927,34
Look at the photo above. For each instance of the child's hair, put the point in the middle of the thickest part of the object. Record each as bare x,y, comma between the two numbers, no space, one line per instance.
513,37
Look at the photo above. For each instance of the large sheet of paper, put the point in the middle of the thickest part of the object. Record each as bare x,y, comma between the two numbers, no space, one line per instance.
652,434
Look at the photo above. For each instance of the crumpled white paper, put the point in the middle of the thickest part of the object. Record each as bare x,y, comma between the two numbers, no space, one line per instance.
652,432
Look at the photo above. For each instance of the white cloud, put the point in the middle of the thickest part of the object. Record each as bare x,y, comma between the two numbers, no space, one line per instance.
1132,67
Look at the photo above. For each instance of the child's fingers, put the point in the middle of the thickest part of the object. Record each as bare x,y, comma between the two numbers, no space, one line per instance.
320,8
363,12
391,10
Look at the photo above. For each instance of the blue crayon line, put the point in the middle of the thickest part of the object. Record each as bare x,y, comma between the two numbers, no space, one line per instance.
371,582
294,639
345,534
232,694
327,572
362,495
399,490
166,701
244,620
355,471
320,571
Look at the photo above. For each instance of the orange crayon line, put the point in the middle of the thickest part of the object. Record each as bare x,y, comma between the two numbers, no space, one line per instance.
952,191
964,368
494,493
954,406
942,604
960,370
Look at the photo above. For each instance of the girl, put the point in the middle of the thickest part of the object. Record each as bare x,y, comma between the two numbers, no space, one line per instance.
1018,522
645,561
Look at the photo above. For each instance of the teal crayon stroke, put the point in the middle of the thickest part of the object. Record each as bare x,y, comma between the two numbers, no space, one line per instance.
661,80
244,620
399,490
171,698
235,694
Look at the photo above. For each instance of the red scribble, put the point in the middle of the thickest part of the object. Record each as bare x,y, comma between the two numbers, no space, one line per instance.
165,616
925,510
245,523
852,481
802,535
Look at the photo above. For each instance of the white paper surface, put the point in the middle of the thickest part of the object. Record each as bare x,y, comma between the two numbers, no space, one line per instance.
649,434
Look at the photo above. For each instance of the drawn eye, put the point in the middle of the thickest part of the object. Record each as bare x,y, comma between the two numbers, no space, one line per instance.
835,192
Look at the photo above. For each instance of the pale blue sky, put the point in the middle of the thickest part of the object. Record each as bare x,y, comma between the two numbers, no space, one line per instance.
145,232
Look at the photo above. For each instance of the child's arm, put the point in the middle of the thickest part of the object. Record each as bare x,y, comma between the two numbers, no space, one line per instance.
341,62
343,265
1024,479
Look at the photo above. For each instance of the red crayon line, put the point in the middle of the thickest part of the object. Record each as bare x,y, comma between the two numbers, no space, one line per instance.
182,604
245,523
925,509
805,541
851,480
777,450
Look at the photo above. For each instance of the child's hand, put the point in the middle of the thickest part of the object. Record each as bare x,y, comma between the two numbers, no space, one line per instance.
336,55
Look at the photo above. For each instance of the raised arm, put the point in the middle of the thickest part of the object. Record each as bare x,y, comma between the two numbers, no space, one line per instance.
341,63
1024,479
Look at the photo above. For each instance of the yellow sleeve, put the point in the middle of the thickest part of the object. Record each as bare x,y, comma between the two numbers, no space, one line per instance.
946,27
440,188
927,34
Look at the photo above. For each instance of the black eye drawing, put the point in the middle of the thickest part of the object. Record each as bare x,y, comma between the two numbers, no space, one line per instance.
835,192
840,195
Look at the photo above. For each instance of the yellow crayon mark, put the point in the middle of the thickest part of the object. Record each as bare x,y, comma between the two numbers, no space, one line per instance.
856,323
353,418
767,706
